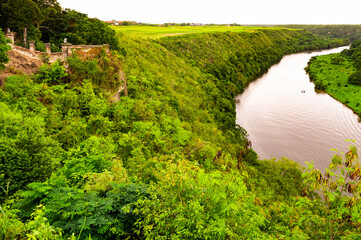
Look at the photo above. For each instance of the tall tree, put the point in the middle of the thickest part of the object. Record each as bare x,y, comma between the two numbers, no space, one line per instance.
20,14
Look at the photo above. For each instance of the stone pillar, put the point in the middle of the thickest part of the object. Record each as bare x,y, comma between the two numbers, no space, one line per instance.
106,47
48,48
32,46
11,36
65,50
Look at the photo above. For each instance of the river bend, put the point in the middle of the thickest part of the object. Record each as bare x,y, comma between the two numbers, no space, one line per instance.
285,117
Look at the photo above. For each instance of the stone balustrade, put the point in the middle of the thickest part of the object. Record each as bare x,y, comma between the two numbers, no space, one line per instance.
67,49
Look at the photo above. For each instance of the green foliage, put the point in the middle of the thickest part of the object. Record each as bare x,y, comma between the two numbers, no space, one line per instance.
34,34
355,78
351,32
164,159
107,215
356,56
340,189
27,154
52,74
39,227
3,49
235,59
355,44
77,28
103,69
171,110
54,24
191,204
19,14
337,59
280,180
10,225
335,78
321,85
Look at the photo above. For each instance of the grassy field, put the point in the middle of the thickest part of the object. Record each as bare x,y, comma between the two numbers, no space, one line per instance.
335,77
158,32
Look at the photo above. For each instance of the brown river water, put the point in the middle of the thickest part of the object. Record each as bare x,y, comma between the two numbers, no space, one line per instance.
285,117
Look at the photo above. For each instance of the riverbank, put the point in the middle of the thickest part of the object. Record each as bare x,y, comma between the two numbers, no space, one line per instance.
331,77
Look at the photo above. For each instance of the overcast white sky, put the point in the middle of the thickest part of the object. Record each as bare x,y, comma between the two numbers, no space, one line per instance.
222,11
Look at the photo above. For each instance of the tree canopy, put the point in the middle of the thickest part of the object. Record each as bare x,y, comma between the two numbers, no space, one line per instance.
46,21
21,13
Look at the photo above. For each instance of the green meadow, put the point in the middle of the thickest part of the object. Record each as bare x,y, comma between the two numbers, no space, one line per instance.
159,31
335,79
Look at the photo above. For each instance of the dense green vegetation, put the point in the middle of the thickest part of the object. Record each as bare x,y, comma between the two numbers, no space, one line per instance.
235,59
339,75
166,160
3,49
44,21
351,32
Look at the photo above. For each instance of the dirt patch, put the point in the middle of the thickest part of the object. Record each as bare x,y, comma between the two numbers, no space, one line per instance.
19,64
173,34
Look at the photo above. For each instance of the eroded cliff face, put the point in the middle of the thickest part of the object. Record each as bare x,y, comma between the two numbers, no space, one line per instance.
19,64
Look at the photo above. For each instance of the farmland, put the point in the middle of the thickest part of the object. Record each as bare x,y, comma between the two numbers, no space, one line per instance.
155,32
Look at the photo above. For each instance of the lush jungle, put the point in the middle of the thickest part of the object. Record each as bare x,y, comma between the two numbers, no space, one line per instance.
141,143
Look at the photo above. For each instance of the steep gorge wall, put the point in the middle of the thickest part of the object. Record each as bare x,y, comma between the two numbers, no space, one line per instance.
195,77
235,59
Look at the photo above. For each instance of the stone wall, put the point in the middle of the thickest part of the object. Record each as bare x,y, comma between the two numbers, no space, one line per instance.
67,50
32,53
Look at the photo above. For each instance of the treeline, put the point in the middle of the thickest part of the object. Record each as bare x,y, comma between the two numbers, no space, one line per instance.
351,32
355,54
44,21
160,162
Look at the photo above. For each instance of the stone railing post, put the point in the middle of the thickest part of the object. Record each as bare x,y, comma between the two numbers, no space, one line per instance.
48,48
65,49
32,46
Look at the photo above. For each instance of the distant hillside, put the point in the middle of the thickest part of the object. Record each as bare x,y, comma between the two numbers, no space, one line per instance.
351,32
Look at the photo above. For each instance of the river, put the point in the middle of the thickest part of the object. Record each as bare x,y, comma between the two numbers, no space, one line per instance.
285,117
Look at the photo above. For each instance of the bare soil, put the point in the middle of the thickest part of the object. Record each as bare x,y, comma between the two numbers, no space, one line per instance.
19,64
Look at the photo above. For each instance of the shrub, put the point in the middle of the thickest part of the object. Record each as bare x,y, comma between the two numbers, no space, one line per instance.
321,85
26,153
355,78
52,74
337,59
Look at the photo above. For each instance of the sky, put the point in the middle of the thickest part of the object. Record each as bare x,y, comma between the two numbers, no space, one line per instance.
222,11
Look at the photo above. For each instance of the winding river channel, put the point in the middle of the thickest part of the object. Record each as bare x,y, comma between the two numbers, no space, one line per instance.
285,117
